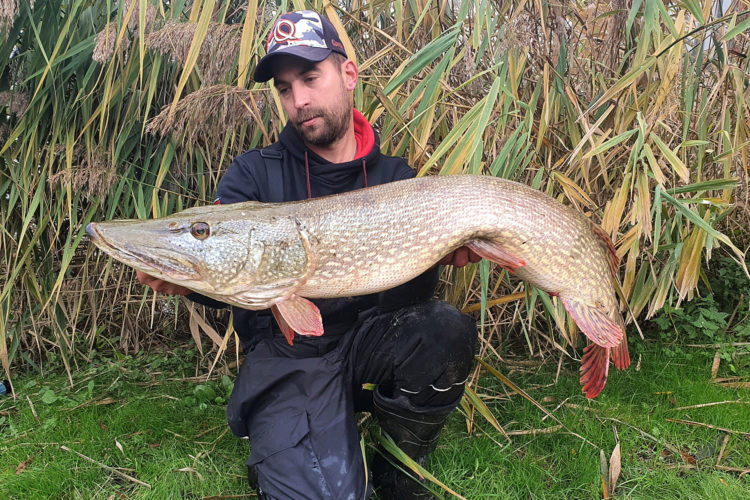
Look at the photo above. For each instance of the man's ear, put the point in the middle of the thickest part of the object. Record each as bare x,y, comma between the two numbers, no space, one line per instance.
350,72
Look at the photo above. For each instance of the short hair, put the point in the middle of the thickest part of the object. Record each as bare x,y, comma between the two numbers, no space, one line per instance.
337,58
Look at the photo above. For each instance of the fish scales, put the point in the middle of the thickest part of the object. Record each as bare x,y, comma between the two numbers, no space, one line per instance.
260,255
367,242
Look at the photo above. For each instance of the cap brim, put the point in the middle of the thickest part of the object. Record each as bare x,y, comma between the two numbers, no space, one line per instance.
263,71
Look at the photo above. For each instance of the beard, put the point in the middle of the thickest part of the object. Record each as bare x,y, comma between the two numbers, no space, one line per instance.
332,125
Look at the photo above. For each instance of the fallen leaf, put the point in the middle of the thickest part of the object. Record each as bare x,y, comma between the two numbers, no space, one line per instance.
104,427
687,457
715,365
153,445
614,468
119,446
23,465
604,471
193,470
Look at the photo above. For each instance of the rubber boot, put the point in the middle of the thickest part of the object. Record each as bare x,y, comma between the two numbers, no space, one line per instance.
416,432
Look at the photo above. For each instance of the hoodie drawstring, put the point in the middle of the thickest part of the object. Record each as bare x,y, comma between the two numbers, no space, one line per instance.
307,174
307,171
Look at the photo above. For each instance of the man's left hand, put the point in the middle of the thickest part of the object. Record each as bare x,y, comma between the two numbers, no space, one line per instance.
460,257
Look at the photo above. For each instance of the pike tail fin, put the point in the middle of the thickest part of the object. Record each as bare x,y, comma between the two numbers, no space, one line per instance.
595,365
298,314
594,369
620,354
496,253
594,323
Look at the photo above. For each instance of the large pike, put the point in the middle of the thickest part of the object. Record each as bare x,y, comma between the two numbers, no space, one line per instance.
260,255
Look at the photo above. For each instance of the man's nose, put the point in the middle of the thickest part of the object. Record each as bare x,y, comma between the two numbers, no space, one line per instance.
301,96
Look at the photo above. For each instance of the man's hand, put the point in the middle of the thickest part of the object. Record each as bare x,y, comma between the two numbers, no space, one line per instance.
460,257
162,286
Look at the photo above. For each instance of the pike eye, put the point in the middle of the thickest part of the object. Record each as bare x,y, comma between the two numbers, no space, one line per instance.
200,230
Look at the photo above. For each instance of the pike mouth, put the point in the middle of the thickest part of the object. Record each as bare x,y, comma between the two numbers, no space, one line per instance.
164,266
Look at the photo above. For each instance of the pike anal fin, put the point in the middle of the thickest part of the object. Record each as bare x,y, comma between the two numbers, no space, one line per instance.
297,314
496,253
594,323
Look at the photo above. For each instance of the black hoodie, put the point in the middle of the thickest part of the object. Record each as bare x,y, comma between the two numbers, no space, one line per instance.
288,171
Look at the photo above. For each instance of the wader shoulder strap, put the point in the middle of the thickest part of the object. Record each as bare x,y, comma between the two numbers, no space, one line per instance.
273,160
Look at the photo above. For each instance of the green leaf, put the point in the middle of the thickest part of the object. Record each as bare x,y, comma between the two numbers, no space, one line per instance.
49,397
698,221
733,32
714,185
227,384
204,393
677,165
610,143
419,61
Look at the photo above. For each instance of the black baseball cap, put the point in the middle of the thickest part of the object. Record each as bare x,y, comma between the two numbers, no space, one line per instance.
305,34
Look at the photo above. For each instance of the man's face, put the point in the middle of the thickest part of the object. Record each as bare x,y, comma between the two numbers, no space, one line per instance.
315,97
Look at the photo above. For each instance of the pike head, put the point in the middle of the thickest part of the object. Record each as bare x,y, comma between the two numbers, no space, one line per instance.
244,254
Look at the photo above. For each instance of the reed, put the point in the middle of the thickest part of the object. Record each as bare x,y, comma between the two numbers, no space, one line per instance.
635,112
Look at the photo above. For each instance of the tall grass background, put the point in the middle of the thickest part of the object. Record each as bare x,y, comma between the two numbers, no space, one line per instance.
634,112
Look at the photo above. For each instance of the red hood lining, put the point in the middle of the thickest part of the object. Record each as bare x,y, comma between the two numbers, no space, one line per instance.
363,133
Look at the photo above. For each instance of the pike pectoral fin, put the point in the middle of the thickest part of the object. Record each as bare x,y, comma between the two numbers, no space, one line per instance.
594,369
297,314
496,253
285,328
594,323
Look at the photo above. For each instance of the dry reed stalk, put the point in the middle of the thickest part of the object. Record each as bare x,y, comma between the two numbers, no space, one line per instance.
200,114
218,53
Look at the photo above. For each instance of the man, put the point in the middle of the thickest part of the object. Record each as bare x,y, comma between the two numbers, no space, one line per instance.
297,402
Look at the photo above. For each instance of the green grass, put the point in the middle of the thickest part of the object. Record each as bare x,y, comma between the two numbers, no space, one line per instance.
164,422
159,422
635,404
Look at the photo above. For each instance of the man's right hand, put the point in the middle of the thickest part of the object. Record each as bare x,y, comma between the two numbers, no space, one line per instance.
162,286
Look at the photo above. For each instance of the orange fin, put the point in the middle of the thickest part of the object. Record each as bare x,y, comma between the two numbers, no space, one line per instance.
297,314
594,369
609,249
594,323
285,328
496,253
620,354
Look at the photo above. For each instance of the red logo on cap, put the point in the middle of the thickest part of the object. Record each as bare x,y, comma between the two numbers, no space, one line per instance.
284,31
